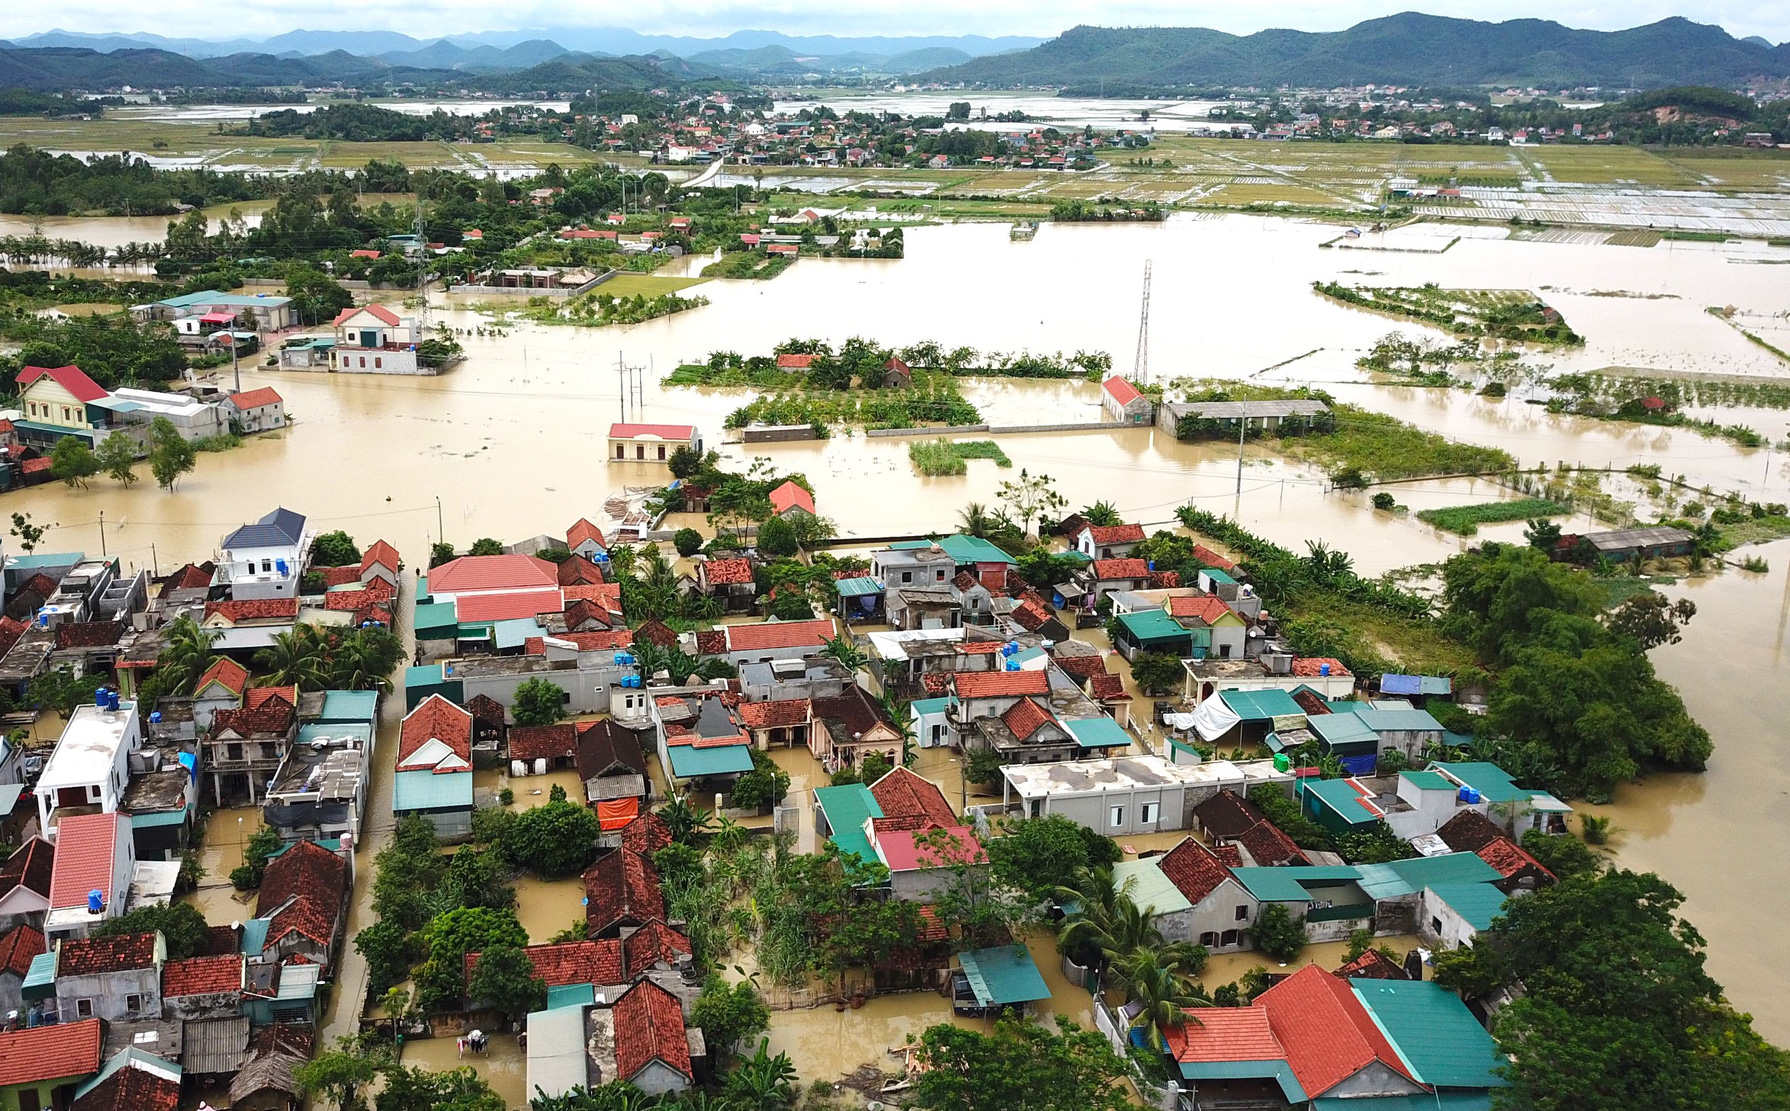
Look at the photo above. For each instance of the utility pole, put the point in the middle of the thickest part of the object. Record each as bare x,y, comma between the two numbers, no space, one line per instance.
1242,429
422,276
155,563
1140,363
102,534
439,527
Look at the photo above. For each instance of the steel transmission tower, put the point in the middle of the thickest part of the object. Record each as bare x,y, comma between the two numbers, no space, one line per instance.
1140,363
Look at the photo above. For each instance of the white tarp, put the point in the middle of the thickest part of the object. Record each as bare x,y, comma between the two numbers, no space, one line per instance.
1213,719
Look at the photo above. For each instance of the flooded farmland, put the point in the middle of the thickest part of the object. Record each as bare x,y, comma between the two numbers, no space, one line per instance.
512,443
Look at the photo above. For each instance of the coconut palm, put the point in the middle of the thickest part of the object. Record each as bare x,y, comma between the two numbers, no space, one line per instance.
1110,930
976,520
186,653
845,651
1325,564
295,658
1163,997
762,1082
1101,514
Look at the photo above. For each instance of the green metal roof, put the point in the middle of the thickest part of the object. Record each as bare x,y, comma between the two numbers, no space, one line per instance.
974,549
1152,625
350,706
43,559
1152,890
422,675
213,297
847,807
1398,721
158,818
688,761
40,981
1433,1031
1340,798
929,705
858,587
1281,1072
514,633
1478,903
1407,877
1343,731
1488,779
1217,576
571,995
1003,976
318,730
1262,705
438,618
1428,781
1286,884
426,790
1100,732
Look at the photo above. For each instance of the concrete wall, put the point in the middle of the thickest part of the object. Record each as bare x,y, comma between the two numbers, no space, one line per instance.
589,685
1095,811
1440,925
219,1005
657,1078
108,994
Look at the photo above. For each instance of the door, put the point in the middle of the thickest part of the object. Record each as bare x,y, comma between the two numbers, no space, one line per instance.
29,1100
369,337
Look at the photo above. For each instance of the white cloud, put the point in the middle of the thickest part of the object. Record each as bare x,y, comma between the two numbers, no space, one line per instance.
217,19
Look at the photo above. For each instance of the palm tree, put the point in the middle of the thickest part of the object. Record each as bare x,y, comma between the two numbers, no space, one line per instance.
975,519
186,653
1163,997
687,823
295,658
1101,514
1327,566
900,720
845,651
762,1082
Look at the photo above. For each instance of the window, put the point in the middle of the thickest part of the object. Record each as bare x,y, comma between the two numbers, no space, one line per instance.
233,752
1117,817
1209,939
940,575
621,451
1229,937
363,360
907,576
266,566
661,453
1436,926
1243,912
84,1008
640,451
378,362
270,752
1147,813
133,1003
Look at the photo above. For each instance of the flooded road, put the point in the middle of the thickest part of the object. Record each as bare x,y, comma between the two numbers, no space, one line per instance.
512,443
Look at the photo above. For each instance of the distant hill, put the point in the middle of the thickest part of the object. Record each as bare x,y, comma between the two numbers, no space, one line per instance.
443,54
1402,49
780,61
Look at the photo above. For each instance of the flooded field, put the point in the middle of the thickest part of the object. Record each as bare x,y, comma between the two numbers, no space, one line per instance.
510,442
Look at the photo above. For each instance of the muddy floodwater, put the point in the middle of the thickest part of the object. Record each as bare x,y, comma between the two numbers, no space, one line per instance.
511,443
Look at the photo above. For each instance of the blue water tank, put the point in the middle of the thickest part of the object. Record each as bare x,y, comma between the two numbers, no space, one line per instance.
96,901
1012,665
280,566
1324,670
99,698
155,717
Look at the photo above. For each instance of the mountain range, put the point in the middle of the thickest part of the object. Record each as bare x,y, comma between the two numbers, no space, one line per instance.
1410,48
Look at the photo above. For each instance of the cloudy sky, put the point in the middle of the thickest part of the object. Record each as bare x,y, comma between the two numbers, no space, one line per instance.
222,19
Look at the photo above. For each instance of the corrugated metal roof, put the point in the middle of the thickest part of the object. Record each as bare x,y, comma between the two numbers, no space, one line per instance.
1433,1101
1148,625
1003,975
974,549
556,1054
426,790
1262,705
857,587
688,761
1284,884
1100,732
350,706
1342,730
1416,684
846,808
571,995
1433,1031
1151,890
1406,877
1428,781
1398,721
1478,903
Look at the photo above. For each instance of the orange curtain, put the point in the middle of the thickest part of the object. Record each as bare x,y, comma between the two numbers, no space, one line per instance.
617,813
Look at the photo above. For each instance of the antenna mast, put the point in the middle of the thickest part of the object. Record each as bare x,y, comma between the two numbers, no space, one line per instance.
1140,363
422,276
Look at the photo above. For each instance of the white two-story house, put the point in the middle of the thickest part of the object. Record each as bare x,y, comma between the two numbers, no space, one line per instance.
265,559
373,340
90,768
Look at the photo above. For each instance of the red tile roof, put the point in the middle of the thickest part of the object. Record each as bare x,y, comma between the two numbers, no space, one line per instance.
435,718
228,674
1165,580
508,607
1372,965
473,574
1120,569
381,554
543,742
21,943
255,399
10,632
1225,1034
1085,667
576,570
583,530
902,794
256,697
254,609
661,431
1108,687
654,943
1211,558
1025,717
771,715
732,571
1226,816
86,845
902,853
1326,1031
88,634
380,311
269,714
1206,607
1194,871
790,496
646,834
202,976
29,866
1116,534
571,962
780,634
794,362
620,886
86,956
1309,666
608,640
1030,616
54,1052
1228,855
130,1088
1509,858
649,1026
70,378
1120,390
1000,684
338,576
34,466
377,593
1469,831
1268,845
313,878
